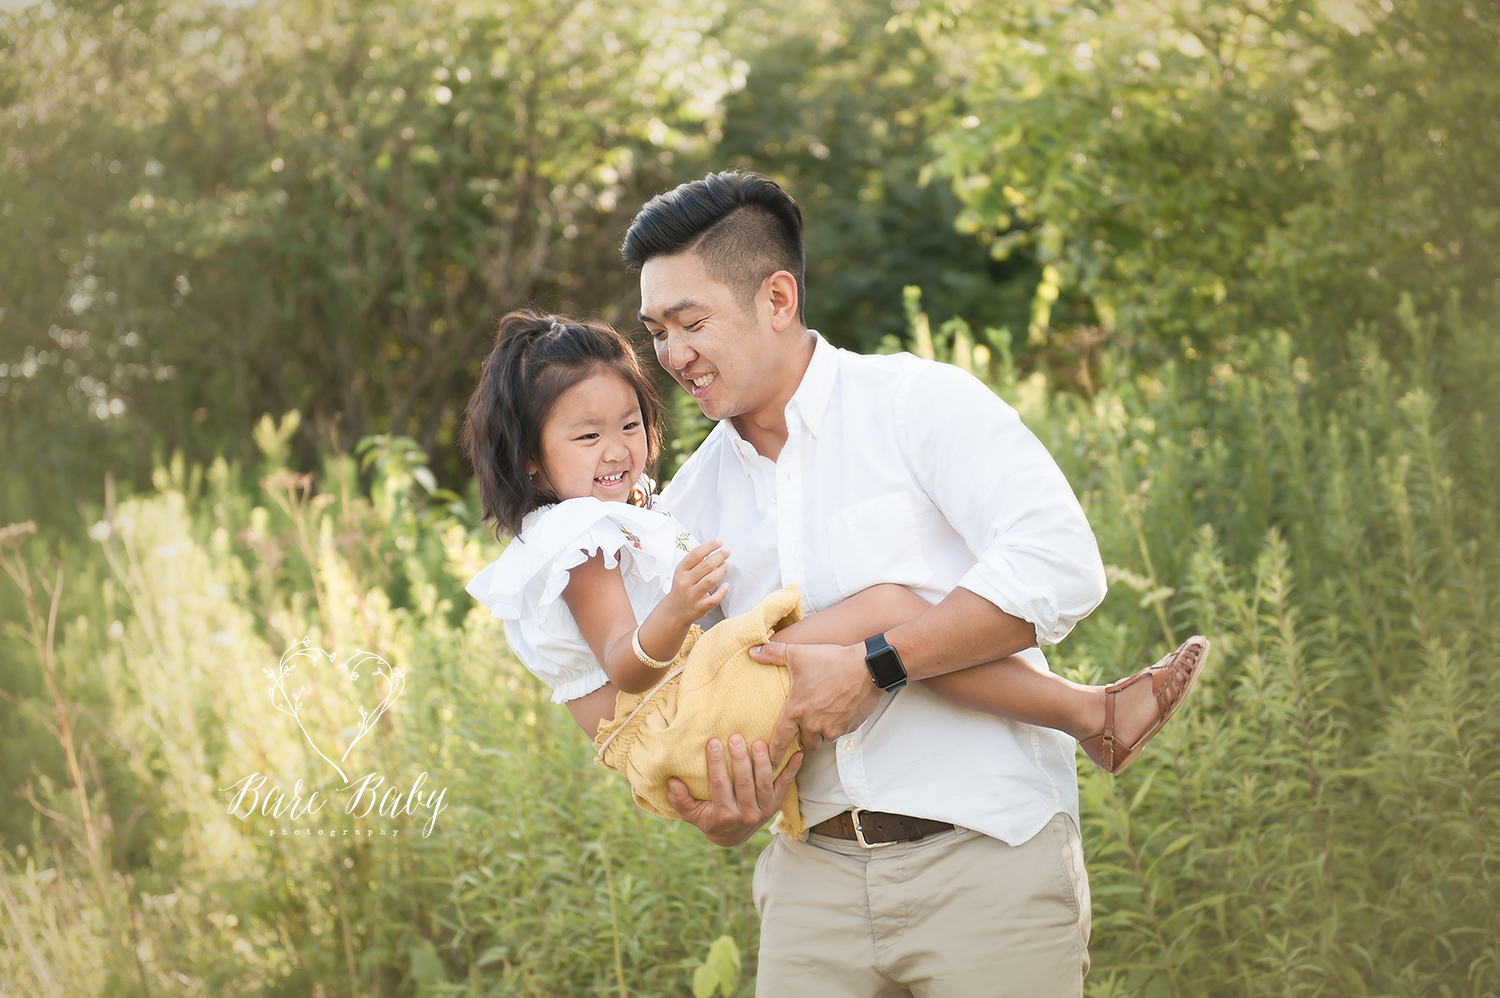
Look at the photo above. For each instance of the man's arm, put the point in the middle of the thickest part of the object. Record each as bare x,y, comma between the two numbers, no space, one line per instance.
1038,569
742,793
831,691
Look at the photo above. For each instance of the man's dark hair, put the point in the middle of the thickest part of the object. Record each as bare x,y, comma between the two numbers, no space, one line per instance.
742,225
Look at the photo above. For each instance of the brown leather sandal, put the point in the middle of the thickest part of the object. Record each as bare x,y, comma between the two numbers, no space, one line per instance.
1171,679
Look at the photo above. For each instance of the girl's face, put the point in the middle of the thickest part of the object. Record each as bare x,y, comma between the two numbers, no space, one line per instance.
594,442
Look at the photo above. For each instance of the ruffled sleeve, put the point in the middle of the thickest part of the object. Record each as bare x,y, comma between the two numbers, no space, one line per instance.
524,586
557,539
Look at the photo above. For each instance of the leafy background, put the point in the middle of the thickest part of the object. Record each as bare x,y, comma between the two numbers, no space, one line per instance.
1233,263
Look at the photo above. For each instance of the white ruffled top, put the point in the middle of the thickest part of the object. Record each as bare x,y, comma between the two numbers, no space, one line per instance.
524,586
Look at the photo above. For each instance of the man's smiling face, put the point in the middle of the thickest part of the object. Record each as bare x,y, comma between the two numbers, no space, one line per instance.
724,351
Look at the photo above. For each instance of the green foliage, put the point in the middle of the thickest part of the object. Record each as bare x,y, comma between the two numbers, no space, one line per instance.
835,107
1192,169
1324,527
273,438
540,876
1270,278
215,212
689,428
211,212
720,970
1320,818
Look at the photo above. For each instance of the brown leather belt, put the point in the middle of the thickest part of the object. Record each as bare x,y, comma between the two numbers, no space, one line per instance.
879,828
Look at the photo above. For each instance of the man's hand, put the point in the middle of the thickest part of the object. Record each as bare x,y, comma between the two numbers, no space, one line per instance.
831,691
740,802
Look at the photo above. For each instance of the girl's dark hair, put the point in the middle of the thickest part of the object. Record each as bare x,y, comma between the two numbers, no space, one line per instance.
534,360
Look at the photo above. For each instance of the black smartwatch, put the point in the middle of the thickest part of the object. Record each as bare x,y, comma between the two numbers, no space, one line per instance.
886,670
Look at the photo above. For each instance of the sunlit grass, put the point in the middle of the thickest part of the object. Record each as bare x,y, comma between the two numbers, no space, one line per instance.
1319,819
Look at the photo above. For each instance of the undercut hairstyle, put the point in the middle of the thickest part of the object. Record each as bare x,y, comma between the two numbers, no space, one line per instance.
742,225
535,359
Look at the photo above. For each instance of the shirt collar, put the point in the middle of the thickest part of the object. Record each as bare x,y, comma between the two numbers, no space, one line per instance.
737,444
808,403
810,400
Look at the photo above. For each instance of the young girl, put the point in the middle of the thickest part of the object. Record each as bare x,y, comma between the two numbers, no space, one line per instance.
599,592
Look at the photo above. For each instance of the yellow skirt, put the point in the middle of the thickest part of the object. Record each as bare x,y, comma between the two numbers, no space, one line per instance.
713,688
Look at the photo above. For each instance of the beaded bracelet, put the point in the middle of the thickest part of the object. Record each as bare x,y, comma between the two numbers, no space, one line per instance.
640,653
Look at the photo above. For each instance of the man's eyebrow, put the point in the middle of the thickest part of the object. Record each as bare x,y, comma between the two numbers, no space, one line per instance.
671,310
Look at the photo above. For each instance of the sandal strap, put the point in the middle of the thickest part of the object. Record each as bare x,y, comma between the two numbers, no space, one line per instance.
1109,726
1171,679
1174,682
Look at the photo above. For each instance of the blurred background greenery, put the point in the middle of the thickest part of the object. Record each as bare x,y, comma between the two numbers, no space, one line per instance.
1234,263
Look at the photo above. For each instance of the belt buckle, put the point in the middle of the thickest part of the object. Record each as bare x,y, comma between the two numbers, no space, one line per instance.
859,833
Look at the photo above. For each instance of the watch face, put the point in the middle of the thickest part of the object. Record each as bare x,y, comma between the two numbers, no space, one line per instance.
886,668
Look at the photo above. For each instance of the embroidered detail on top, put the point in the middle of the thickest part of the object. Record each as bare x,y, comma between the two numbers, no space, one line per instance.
634,540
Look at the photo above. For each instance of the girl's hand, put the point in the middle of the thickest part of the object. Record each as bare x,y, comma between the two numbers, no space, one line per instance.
695,582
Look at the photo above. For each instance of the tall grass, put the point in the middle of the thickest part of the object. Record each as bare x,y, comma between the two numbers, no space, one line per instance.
1320,819
1324,818
513,890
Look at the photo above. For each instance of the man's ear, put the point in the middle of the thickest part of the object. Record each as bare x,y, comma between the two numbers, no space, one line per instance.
781,290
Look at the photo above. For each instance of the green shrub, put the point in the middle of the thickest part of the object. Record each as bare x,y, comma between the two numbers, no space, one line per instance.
1319,819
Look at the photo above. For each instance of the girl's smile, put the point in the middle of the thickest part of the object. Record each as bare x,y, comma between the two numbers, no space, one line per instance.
593,442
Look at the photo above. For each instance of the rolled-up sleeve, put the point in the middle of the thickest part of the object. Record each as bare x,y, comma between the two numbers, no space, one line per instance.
997,485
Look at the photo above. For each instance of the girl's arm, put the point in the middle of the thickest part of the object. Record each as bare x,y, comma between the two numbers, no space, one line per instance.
600,605
868,612
1011,687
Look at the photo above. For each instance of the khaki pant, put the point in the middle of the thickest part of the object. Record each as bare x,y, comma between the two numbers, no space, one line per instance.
954,915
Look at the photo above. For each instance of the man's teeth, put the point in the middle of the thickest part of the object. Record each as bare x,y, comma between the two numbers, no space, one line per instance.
704,381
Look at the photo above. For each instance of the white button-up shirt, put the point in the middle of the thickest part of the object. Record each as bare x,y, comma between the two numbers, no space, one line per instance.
903,470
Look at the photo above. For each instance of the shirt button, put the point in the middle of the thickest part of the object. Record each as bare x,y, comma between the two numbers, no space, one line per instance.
791,549
773,498
848,744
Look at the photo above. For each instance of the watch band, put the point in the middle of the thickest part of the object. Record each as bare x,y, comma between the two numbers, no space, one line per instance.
886,668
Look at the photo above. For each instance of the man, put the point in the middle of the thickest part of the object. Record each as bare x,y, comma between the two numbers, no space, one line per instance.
944,858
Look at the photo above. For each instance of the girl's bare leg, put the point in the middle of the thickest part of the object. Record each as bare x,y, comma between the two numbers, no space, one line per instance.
593,709
1010,687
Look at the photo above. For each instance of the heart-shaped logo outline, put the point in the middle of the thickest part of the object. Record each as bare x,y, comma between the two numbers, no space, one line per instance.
291,703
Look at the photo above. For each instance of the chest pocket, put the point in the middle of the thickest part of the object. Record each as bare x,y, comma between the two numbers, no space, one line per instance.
876,541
